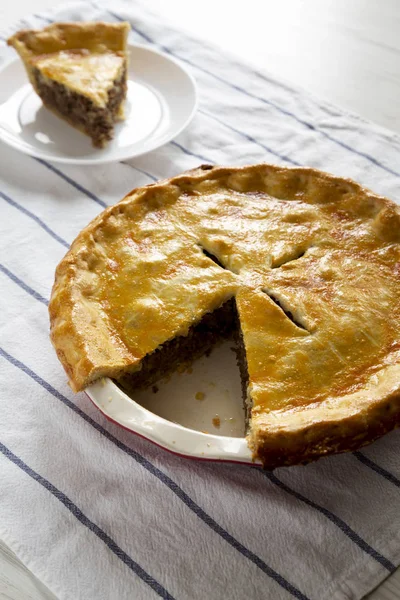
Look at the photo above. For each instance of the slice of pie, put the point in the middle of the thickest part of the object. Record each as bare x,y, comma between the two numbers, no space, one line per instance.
79,70
302,267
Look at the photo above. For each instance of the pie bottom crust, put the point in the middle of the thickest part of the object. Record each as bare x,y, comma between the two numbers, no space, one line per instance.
312,433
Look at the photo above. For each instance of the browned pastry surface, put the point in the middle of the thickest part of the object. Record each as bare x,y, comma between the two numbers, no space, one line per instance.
79,72
313,262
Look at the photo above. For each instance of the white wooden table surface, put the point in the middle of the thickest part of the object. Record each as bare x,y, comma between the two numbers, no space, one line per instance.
347,51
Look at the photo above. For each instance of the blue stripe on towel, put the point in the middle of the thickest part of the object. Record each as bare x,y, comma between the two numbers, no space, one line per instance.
82,518
250,138
346,529
72,182
380,470
23,285
30,214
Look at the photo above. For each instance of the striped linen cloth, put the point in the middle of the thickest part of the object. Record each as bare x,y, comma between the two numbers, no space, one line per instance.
98,513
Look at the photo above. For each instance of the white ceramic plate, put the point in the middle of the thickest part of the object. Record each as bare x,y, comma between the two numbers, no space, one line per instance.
215,380
161,102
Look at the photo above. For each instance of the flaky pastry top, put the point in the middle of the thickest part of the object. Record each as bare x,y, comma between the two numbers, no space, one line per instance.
85,56
313,261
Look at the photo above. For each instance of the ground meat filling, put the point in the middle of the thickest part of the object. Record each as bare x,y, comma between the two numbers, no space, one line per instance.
97,123
241,360
222,324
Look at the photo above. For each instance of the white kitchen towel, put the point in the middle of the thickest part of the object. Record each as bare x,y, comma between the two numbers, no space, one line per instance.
98,513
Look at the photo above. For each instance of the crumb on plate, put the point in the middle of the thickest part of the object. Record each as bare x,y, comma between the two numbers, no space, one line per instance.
216,421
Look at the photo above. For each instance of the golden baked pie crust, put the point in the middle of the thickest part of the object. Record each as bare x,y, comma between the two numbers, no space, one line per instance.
322,380
84,56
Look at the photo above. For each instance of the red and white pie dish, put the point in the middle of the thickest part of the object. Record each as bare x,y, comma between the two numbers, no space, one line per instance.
217,381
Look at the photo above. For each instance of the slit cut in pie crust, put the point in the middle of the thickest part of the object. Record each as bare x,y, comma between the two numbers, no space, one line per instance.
301,266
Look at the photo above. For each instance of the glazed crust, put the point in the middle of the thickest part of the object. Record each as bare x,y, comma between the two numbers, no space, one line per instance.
86,57
313,262
345,432
94,36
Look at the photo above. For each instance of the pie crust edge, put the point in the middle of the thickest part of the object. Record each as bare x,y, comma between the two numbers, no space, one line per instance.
302,435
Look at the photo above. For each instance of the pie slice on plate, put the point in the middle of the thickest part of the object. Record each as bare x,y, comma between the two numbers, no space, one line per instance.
79,71
300,266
